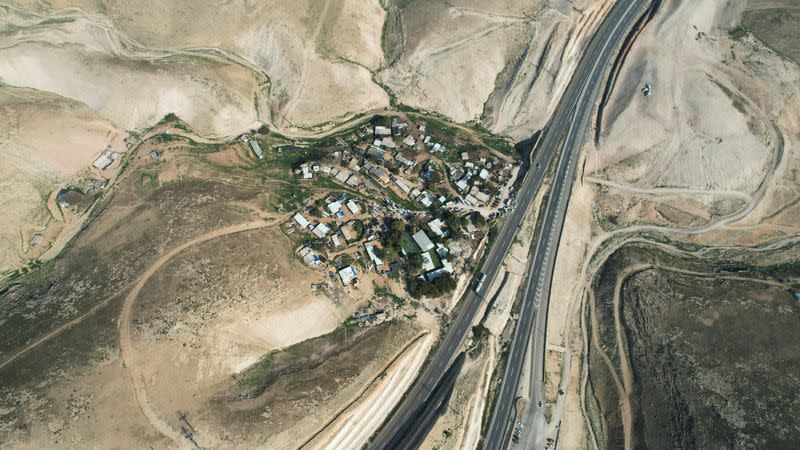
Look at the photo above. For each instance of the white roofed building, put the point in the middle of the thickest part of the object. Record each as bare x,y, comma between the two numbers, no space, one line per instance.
436,227
348,274
427,262
403,187
334,207
422,240
302,221
321,230
353,207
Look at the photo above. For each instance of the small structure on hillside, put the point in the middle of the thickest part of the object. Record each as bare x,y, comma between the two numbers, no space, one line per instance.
105,159
256,149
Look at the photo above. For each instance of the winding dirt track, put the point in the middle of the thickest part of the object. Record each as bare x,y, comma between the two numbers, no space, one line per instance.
624,360
605,244
125,341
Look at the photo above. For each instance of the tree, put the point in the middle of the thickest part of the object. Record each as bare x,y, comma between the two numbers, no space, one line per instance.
434,288
478,219
414,262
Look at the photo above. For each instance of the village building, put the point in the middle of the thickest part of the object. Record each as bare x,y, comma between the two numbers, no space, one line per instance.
257,149
382,131
348,274
370,248
427,262
425,199
349,232
403,187
353,207
376,152
381,174
406,158
337,240
482,197
334,207
422,240
388,142
343,175
436,227
321,230
302,221
105,159
309,257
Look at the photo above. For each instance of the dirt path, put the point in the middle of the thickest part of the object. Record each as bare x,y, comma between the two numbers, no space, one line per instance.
623,387
309,51
624,361
665,190
605,244
126,343
57,331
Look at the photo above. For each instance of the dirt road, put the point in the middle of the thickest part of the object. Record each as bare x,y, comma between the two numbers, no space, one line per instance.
125,341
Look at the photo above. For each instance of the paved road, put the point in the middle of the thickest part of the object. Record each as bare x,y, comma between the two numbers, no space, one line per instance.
468,308
569,123
470,305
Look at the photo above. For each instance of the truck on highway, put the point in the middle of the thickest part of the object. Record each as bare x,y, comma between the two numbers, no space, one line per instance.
479,283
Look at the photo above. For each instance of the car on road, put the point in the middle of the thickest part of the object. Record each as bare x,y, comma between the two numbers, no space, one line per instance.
541,404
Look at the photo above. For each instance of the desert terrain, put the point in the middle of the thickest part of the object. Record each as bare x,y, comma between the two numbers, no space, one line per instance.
682,224
163,300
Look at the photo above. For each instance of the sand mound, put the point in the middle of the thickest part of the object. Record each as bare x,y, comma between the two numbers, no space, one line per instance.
708,124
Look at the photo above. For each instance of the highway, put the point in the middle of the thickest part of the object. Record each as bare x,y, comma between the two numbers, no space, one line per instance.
463,317
568,127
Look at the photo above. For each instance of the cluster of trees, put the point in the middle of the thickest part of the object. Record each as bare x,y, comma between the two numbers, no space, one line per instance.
434,288
393,236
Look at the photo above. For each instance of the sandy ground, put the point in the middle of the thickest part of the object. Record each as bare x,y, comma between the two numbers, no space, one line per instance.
706,133
45,142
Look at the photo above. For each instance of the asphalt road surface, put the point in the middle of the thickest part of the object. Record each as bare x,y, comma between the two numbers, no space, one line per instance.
464,316
569,123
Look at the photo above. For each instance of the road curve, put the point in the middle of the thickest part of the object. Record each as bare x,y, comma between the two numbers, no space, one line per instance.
465,314
569,123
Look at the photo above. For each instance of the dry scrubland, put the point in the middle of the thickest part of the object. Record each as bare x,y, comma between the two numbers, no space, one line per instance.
182,293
